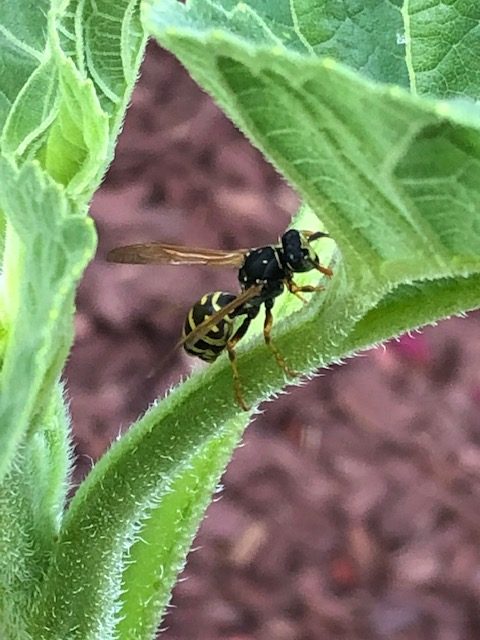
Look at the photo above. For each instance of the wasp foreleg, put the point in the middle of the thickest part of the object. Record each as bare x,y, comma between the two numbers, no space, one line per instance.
297,290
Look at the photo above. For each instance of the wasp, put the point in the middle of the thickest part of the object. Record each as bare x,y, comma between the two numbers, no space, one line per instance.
219,320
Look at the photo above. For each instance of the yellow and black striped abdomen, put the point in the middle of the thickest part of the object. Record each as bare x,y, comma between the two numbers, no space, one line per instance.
211,345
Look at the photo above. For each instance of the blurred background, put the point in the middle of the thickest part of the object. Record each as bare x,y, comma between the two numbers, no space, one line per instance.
352,511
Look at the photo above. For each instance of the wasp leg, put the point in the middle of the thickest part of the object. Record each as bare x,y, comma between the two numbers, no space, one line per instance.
297,290
267,331
237,385
325,270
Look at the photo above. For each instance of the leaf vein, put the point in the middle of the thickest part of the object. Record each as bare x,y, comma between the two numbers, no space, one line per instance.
22,46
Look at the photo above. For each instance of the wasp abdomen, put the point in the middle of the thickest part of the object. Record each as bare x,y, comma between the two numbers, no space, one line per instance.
211,345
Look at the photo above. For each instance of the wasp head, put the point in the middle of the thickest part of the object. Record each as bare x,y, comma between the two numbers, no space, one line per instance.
299,255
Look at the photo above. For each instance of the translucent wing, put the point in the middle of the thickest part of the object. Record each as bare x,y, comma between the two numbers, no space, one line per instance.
203,328
159,253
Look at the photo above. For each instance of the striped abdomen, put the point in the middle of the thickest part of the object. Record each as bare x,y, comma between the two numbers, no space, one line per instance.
211,345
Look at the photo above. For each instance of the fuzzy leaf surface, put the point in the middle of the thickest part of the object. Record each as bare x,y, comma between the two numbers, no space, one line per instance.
53,244
32,500
129,526
65,108
443,47
106,41
22,45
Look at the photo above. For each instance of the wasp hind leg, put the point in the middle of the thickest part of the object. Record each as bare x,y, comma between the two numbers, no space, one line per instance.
237,385
267,334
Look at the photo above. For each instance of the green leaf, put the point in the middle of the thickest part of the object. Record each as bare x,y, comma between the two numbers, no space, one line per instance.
76,147
66,112
129,527
48,246
103,44
22,42
158,555
411,306
57,119
367,35
49,466
21,556
107,42
443,44
32,498
33,111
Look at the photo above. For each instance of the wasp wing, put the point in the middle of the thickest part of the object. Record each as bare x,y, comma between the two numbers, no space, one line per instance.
159,253
204,327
